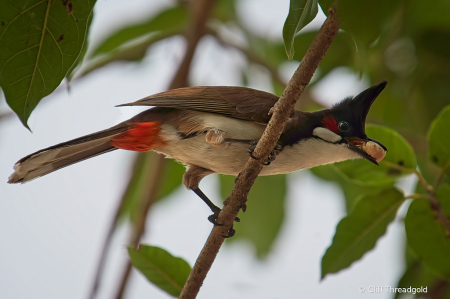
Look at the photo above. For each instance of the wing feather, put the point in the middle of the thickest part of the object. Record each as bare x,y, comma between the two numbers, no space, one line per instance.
239,102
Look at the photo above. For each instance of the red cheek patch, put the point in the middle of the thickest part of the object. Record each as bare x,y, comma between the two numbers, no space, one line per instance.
330,123
142,137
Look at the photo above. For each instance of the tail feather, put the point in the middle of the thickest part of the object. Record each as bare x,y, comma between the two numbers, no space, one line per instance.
64,154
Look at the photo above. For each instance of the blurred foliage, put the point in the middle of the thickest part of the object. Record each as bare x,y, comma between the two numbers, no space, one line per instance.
171,173
404,42
266,204
164,270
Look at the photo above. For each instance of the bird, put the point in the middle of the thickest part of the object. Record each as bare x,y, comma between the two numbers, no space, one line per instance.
213,129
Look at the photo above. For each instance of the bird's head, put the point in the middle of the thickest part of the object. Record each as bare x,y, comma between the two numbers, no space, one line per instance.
345,123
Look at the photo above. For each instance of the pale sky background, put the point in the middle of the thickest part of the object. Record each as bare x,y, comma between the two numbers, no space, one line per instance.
52,229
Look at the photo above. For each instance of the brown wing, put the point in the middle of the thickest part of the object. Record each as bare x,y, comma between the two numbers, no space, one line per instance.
239,102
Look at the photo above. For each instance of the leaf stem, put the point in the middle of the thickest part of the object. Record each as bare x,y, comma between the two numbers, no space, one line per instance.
416,196
432,199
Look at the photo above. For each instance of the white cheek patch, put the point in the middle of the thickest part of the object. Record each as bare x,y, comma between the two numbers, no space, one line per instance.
326,135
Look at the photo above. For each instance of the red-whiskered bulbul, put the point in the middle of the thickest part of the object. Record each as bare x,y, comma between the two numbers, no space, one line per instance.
211,129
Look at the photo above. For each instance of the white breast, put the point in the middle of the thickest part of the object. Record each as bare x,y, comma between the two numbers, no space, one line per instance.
230,158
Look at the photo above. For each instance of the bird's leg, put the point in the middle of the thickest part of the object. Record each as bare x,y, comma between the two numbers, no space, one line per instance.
272,156
216,210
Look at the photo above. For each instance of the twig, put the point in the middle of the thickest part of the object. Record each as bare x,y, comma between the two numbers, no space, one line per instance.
432,199
200,10
246,178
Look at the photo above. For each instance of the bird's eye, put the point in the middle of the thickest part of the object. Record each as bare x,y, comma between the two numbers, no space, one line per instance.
344,126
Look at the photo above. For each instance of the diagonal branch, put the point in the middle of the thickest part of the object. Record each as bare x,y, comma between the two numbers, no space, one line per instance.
246,178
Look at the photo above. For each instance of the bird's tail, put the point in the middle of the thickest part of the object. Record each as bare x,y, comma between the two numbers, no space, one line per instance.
137,137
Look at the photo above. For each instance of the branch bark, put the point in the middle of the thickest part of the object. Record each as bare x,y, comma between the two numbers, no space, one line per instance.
246,178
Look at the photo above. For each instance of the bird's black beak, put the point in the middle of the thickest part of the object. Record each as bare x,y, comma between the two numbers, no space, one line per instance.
358,145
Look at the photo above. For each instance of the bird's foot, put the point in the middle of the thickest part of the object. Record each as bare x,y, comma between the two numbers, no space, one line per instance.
213,219
272,156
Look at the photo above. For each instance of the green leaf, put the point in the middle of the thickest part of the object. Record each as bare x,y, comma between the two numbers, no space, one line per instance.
40,41
353,190
360,178
301,13
400,154
167,272
130,52
416,276
172,19
143,172
427,236
79,62
358,233
265,211
439,138
366,20
325,5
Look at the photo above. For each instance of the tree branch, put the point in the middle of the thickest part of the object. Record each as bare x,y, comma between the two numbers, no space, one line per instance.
246,178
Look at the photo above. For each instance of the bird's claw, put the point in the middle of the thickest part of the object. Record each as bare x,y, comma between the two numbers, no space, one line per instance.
213,219
273,155
231,232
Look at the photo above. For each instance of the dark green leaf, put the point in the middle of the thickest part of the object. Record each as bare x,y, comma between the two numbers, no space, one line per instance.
325,5
420,15
353,190
416,276
443,195
360,178
427,236
301,13
358,233
40,41
167,272
172,19
78,63
439,138
265,211
400,152
365,20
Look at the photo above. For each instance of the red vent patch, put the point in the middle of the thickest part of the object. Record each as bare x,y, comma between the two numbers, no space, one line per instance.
330,123
142,137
